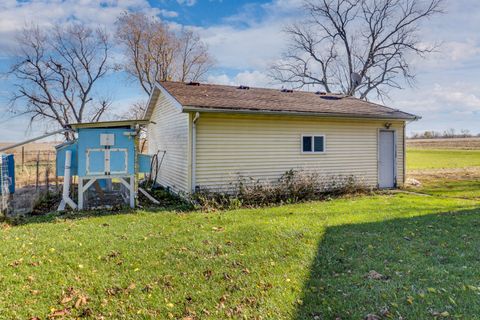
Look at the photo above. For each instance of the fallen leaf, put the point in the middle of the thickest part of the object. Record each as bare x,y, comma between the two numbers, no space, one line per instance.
82,300
147,288
443,314
87,312
207,274
113,291
66,300
16,263
59,313
374,275
385,312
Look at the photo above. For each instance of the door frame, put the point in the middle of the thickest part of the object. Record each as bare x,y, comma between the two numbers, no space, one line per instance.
395,153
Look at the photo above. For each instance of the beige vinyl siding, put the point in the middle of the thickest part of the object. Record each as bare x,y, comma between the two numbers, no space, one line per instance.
265,147
170,133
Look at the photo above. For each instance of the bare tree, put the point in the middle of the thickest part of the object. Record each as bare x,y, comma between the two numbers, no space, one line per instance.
357,47
56,73
194,59
155,53
135,111
150,48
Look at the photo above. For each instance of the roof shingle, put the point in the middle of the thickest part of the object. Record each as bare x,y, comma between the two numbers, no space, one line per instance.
205,97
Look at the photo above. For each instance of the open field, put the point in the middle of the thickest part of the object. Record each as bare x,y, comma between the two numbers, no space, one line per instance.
31,147
444,143
442,158
443,153
445,167
396,255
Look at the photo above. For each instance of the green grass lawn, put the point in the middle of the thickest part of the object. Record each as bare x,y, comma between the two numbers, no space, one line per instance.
434,159
304,261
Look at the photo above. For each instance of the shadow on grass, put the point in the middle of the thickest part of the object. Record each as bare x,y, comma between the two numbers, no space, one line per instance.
427,266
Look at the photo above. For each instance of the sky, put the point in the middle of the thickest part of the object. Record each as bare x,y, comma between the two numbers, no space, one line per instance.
245,37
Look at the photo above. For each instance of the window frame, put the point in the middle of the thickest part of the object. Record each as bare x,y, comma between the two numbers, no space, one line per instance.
313,143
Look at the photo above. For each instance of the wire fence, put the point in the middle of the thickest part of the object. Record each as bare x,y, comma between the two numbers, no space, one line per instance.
35,168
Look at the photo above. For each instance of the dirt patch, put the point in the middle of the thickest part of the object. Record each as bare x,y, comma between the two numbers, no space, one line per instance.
454,174
454,143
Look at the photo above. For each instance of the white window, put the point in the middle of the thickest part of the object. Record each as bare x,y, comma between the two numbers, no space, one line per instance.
313,143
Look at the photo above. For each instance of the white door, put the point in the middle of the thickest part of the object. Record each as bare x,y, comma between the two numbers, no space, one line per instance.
386,159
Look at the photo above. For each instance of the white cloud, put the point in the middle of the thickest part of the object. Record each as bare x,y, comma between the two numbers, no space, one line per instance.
187,2
441,106
438,98
247,41
168,13
460,51
248,78
255,47
44,13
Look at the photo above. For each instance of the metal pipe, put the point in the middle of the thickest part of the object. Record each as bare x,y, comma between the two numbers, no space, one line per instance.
33,139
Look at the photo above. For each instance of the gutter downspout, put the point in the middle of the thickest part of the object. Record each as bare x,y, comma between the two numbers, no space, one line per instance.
194,151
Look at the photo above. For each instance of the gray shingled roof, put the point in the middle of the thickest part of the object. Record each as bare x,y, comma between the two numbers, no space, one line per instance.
221,98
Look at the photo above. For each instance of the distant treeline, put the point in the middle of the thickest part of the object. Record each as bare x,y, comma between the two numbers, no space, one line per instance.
450,133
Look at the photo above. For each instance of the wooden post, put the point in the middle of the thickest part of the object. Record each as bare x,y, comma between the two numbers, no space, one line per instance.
23,159
80,193
133,185
37,182
47,178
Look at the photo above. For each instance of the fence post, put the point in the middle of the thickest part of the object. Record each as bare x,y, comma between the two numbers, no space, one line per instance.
37,182
47,176
23,159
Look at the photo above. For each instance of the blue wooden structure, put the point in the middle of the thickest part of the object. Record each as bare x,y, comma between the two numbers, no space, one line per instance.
102,152
7,174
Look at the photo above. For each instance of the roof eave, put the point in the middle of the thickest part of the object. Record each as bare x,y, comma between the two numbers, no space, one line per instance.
297,113
109,124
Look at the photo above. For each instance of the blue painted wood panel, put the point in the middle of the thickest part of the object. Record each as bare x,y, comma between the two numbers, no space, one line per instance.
60,165
95,162
7,177
89,138
144,163
118,161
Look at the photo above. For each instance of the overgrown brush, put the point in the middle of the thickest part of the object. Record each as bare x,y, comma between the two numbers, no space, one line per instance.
293,186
